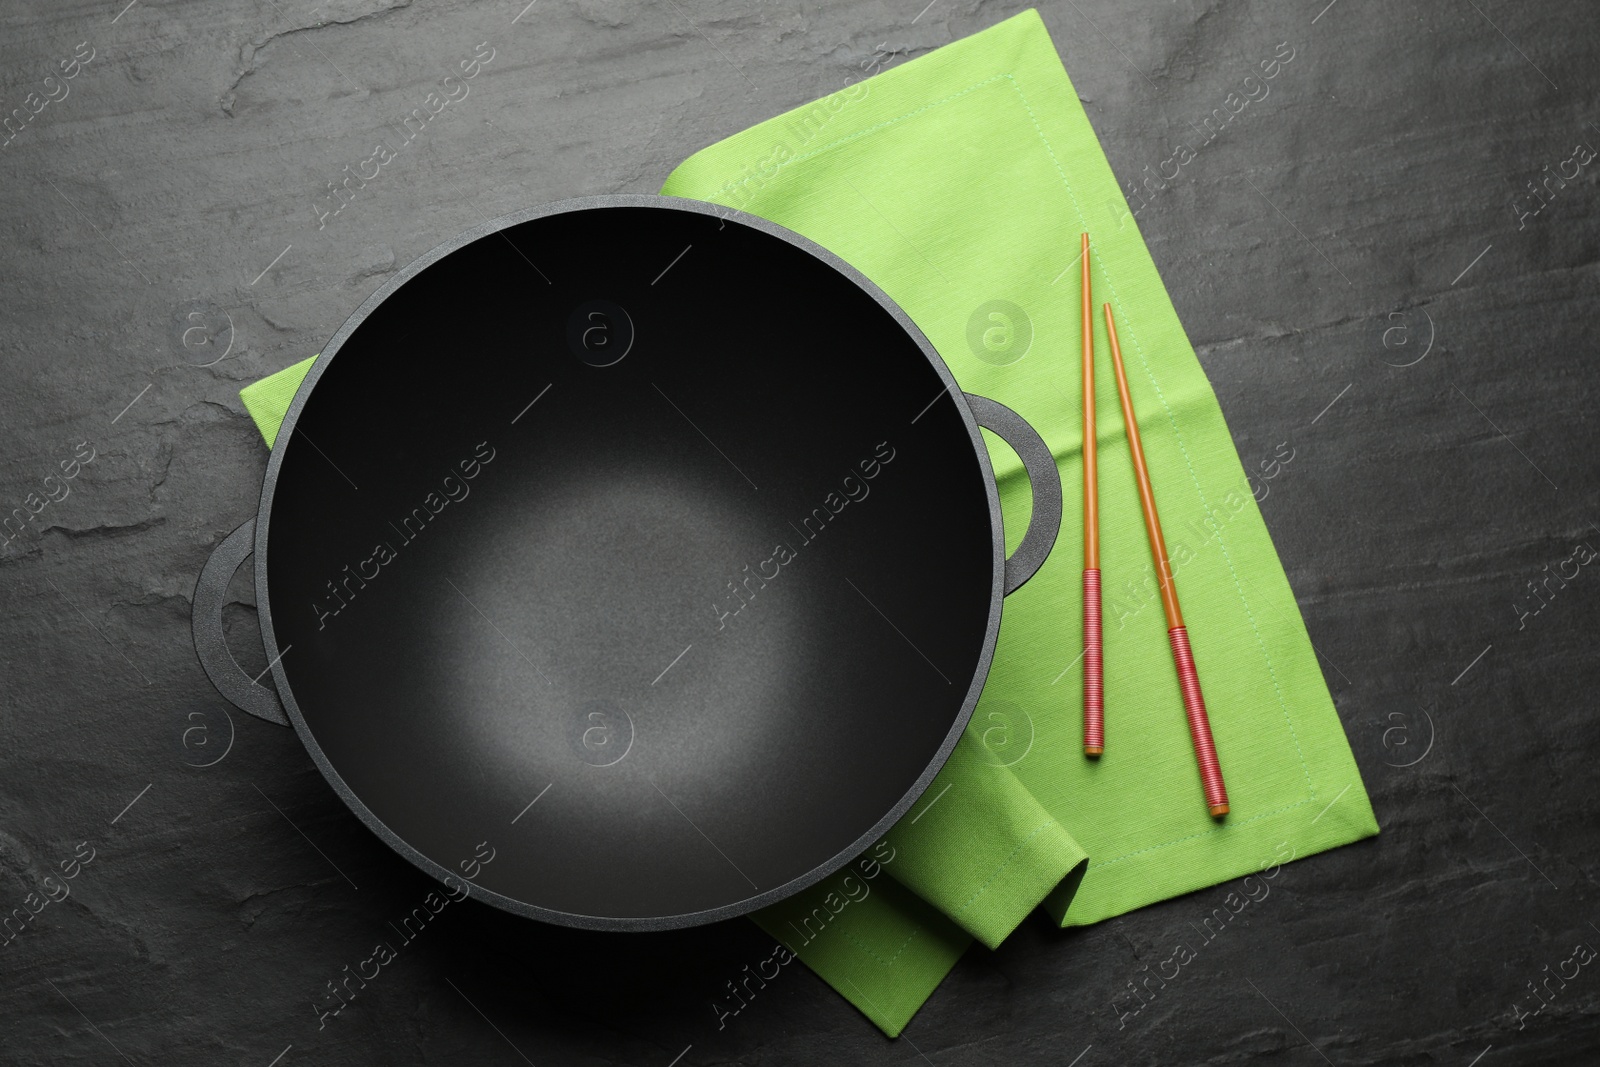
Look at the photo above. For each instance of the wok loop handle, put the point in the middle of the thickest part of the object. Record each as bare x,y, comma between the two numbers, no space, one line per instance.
1045,523
237,687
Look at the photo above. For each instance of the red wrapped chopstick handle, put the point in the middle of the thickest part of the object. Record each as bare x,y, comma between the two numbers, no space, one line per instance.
1094,694
1194,705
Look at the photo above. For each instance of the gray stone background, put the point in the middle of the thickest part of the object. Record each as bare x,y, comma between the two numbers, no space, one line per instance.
1362,266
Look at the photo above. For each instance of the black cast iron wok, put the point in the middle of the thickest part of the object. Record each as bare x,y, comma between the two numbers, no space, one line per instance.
643,540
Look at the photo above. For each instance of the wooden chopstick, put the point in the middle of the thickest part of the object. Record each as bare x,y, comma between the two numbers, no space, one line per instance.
1205,748
1094,722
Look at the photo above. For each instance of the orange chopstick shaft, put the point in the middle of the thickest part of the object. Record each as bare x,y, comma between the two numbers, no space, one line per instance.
1091,472
1094,721
1194,705
1147,499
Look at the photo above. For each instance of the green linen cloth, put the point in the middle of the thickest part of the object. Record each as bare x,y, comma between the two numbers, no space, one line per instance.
959,183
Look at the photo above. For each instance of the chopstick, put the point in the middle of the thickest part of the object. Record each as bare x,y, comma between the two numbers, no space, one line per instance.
1194,705
1094,722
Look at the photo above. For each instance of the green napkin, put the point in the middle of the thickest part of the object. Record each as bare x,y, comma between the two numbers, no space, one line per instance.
268,400
959,182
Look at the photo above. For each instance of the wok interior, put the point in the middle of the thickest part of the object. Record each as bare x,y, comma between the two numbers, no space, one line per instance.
714,607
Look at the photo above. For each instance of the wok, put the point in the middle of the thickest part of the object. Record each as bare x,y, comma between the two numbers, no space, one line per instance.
638,543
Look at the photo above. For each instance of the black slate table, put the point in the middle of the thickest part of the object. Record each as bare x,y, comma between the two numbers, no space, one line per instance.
1386,264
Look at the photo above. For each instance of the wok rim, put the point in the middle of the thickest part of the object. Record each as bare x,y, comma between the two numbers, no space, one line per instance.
444,874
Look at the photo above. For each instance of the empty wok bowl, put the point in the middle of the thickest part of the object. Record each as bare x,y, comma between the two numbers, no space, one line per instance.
640,543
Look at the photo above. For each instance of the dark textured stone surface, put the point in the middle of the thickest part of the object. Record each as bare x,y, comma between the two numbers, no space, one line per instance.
1326,225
